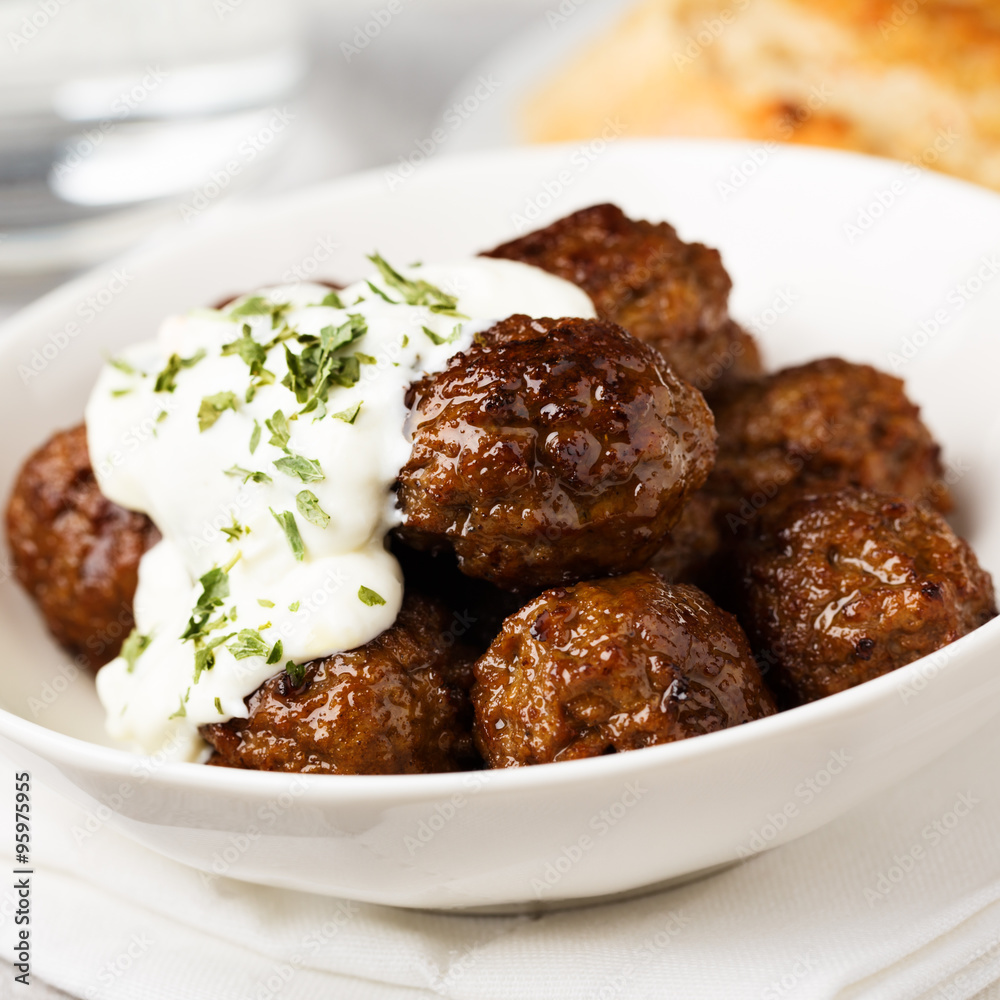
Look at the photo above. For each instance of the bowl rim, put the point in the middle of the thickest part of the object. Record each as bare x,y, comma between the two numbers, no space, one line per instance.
77,753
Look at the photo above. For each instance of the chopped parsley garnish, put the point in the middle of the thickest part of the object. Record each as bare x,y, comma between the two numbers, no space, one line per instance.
218,706
406,340
350,414
294,606
286,521
365,359
214,591
182,709
320,366
248,474
204,657
212,407
166,381
278,426
248,643
378,291
296,671
253,354
116,393
133,647
123,366
277,651
233,533
368,596
417,293
308,505
257,305
332,299
264,603
254,437
438,339
307,469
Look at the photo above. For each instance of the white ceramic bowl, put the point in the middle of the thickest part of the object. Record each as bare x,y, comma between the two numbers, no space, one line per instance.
923,253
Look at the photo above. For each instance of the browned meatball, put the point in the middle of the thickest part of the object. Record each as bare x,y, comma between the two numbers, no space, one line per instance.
642,276
818,427
611,665
75,552
551,451
822,426
397,705
843,587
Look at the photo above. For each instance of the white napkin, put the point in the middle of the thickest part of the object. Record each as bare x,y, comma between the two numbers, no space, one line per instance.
831,915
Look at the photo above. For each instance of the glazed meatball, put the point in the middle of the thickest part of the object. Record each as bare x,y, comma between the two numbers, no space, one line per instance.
551,451
612,665
397,705
842,587
75,552
816,427
642,276
823,426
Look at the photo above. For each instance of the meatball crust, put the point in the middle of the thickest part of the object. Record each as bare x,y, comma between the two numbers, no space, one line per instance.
612,665
642,276
842,587
823,426
551,451
397,705
74,551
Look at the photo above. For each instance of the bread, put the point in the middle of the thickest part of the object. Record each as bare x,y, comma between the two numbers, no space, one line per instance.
918,80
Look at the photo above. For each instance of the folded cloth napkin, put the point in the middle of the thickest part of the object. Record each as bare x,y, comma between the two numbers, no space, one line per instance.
900,899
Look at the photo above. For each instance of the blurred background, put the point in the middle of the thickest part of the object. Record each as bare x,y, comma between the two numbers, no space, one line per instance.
123,119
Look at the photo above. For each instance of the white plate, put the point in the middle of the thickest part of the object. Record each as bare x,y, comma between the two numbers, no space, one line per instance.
582,829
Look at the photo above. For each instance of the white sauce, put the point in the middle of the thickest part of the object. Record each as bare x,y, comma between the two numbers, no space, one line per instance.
168,468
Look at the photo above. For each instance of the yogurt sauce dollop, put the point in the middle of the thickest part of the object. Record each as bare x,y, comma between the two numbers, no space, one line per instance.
272,487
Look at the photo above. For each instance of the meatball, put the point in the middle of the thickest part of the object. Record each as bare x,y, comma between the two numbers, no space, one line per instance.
816,427
642,276
823,426
74,551
842,587
551,451
398,705
612,665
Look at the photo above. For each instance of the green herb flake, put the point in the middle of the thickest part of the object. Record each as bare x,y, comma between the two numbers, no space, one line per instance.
204,657
248,474
166,381
276,653
294,606
278,426
181,710
218,707
248,643
254,437
161,416
368,596
133,647
308,505
212,407
286,521
234,533
214,591
264,603
253,354
257,305
122,365
118,393
417,293
365,359
307,469
332,299
296,671
438,339
350,414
